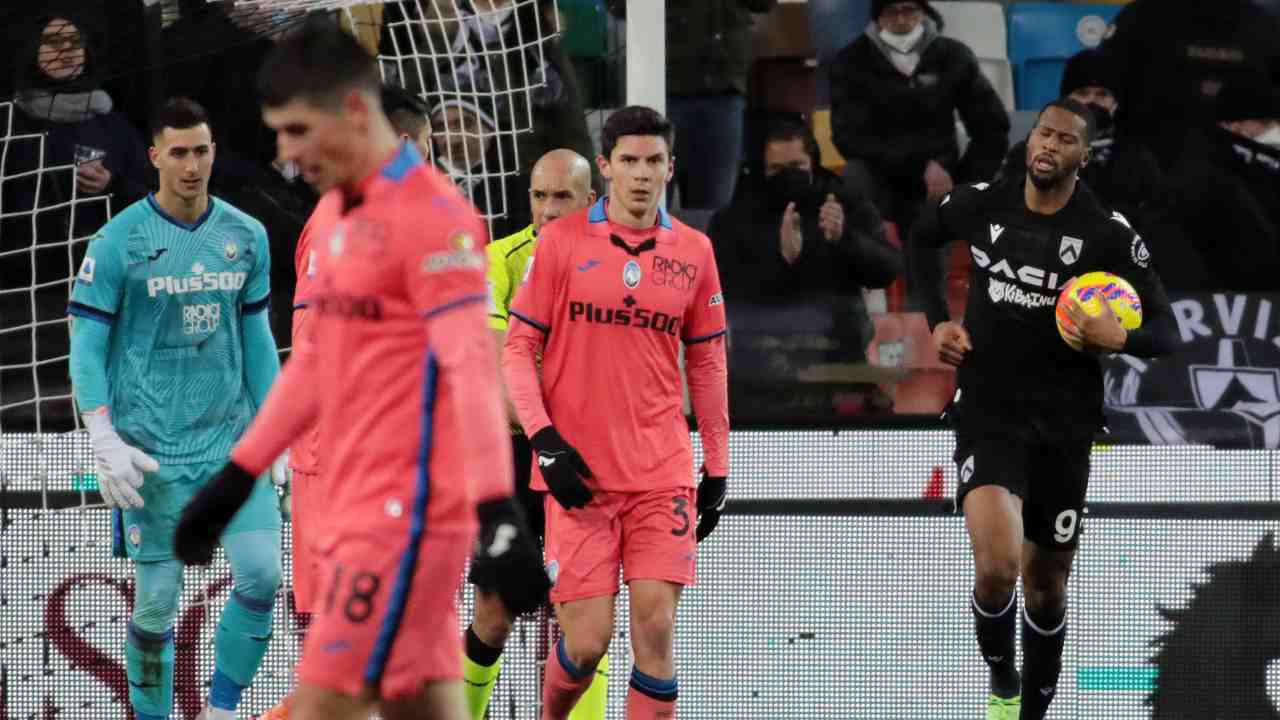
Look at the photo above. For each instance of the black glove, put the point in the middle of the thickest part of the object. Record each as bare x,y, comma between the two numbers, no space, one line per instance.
711,495
209,513
562,467
507,560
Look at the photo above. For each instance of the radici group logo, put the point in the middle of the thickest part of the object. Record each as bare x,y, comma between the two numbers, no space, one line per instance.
1221,385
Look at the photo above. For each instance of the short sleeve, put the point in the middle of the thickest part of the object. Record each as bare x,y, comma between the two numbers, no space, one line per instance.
535,298
450,272
257,288
498,282
100,281
704,318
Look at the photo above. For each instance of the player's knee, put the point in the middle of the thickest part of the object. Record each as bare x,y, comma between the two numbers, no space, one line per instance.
587,645
1045,596
653,629
996,578
258,579
155,608
491,623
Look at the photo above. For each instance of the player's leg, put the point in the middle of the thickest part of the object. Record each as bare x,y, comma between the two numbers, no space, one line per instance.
659,554
483,644
148,649
990,474
586,627
252,544
244,629
486,637
1054,522
583,549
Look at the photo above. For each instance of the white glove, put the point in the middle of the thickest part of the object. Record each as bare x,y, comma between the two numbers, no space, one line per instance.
280,473
120,467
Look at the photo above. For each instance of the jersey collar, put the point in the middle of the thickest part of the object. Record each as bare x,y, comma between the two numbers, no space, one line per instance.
189,227
598,214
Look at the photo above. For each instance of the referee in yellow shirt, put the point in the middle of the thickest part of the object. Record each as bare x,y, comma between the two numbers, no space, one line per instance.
559,185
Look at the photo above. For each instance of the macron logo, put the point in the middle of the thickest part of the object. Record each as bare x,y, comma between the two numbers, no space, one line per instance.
996,232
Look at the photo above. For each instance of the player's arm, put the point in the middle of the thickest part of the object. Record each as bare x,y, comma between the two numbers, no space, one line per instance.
560,464
451,294
1158,334
498,281
261,356
926,262
707,374
95,299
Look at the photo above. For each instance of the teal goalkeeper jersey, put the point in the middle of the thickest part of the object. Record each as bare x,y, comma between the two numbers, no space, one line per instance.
173,294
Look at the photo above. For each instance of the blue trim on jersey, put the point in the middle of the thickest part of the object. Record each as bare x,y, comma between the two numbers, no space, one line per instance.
90,312
704,338
189,227
301,305
597,214
544,328
406,159
465,300
417,525
256,306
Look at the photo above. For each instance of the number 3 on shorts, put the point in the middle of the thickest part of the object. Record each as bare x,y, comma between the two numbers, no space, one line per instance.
1065,526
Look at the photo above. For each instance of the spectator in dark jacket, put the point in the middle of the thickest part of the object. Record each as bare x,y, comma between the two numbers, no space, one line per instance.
708,61
798,236
1124,174
1174,57
894,94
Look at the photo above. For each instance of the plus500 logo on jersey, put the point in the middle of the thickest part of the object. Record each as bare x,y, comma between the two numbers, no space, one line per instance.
195,283
634,317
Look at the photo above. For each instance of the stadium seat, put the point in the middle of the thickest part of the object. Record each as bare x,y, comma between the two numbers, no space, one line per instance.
1042,35
981,26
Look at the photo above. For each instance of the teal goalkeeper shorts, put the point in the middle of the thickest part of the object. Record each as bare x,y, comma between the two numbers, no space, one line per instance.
146,533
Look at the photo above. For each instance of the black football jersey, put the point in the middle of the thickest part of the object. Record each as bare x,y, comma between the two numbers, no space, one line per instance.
1020,372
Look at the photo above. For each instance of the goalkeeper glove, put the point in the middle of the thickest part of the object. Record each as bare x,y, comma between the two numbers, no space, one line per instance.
119,467
209,513
507,560
712,492
562,468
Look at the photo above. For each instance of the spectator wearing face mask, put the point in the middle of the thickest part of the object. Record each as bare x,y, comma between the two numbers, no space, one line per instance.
793,232
895,91
1123,173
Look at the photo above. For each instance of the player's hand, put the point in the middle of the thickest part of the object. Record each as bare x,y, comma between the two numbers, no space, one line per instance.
280,473
92,178
712,492
119,467
562,468
790,235
937,181
209,513
1098,333
831,219
953,342
507,560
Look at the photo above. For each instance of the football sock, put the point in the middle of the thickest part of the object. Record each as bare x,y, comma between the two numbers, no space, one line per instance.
480,667
651,698
149,665
996,632
244,630
592,705
1042,641
563,685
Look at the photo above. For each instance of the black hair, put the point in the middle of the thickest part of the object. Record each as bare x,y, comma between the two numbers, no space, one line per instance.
784,128
178,113
636,120
1075,107
318,64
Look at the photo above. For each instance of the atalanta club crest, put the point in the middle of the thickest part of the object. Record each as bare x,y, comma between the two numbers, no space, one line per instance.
231,250
631,274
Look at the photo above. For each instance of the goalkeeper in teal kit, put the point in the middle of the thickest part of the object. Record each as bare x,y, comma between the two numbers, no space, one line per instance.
171,355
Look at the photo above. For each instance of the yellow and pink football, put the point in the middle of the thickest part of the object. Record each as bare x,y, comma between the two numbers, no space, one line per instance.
1089,291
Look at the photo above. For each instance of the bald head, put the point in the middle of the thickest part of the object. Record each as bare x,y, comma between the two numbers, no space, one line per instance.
559,185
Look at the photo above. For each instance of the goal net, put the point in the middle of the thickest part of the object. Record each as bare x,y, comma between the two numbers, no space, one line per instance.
483,73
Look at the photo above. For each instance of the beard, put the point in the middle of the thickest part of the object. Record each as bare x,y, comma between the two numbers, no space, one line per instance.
1052,179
